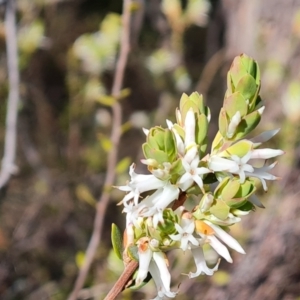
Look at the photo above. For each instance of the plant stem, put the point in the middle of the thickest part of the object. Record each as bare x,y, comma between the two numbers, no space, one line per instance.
112,155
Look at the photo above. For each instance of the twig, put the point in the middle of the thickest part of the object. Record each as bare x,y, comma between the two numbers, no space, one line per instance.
121,282
8,162
112,155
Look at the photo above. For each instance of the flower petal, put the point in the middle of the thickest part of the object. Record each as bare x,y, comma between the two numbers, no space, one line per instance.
226,238
220,248
200,262
144,262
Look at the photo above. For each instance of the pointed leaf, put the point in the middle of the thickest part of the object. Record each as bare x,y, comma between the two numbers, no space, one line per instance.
117,240
201,128
169,145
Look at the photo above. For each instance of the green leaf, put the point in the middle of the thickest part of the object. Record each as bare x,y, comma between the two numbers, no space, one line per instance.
132,252
230,86
198,100
249,65
247,206
220,187
236,202
157,155
177,168
124,93
79,258
117,240
123,165
223,122
202,148
84,194
217,142
106,100
183,100
169,145
201,128
179,130
237,71
235,102
230,190
241,148
155,138
146,150
186,107
246,189
105,142
247,86
220,210
247,124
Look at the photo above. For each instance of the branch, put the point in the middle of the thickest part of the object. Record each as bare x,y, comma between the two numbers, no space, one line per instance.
121,282
112,155
8,162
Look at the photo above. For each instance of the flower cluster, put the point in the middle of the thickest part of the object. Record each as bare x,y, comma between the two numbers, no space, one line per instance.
224,180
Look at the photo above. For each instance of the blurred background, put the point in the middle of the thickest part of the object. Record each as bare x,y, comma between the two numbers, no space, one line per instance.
67,55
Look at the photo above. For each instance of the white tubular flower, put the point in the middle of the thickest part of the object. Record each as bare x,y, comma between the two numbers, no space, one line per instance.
189,139
145,256
192,174
161,276
185,234
242,166
220,164
189,127
156,264
153,205
234,122
265,153
201,265
139,184
219,247
263,175
226,238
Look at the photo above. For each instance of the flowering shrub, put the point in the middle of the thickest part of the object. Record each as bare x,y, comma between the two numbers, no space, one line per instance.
224,180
